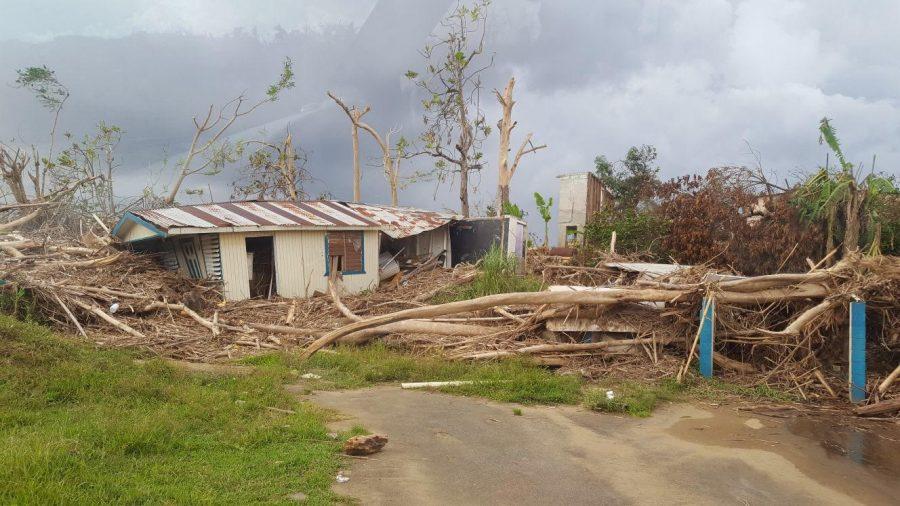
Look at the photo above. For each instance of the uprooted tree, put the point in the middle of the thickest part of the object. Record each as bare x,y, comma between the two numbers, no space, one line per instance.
506,169
455,126
390,155
208,143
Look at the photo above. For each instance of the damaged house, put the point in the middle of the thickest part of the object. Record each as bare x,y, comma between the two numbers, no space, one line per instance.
263,248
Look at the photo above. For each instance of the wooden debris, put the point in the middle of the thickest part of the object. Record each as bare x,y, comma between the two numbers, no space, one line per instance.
880,408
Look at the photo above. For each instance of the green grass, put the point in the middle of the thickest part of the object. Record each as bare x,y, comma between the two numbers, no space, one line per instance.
498,273
716,389
354,367
80,425
633,398
641,398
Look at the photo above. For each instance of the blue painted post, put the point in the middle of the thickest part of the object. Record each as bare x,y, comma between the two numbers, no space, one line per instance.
857,351
707,335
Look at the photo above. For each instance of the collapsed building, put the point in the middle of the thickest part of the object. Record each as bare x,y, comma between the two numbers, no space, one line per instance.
263,248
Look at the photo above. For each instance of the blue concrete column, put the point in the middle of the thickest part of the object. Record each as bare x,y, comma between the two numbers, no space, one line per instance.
707,335
857,351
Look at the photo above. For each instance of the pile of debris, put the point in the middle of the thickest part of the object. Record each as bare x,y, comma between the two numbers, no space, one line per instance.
783,329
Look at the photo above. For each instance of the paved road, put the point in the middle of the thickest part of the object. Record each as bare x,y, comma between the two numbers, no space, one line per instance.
453,450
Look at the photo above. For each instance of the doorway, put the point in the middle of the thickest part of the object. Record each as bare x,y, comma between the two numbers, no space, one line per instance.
261,266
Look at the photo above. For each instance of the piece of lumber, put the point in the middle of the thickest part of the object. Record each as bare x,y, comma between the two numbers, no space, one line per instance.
70,315
879,408
109,319
731,364
564,348
821,377
884,385
433,384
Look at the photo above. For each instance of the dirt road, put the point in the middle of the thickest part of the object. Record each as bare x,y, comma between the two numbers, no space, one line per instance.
452,450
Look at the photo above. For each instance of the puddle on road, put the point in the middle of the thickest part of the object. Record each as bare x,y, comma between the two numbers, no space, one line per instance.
858,457
868,445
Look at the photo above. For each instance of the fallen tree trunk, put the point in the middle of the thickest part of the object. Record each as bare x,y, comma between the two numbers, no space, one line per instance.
883,387
566,348
588,297
490,301
879,408
409,327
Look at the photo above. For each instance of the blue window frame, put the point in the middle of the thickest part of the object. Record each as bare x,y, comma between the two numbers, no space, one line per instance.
345,235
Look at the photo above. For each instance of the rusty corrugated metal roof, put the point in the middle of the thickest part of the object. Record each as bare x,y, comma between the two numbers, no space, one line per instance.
257,214
399,222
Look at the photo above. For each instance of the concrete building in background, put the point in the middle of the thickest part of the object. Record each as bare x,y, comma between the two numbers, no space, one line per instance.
580,196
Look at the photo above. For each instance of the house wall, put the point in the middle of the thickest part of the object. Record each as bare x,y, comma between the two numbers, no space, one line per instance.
300,263
580,197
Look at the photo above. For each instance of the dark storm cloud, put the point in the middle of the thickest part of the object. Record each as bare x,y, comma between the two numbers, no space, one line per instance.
697,79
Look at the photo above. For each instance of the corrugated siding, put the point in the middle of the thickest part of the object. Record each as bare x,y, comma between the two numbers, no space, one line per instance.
212,258
289,275
235,274
299,263
169,257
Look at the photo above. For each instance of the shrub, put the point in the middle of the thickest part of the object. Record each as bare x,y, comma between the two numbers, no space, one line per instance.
640,232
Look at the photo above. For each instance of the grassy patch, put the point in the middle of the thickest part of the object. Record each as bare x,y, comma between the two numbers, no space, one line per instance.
498,273
83,425
716,389
355,367
636,399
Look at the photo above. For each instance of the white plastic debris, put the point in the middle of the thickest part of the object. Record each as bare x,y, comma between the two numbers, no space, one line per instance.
340,478
610,395
310,376
114,308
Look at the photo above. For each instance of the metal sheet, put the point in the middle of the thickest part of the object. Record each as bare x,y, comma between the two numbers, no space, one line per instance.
253,214
400,222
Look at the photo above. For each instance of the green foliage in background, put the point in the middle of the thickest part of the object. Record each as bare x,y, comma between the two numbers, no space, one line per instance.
636,232
545,207
632,180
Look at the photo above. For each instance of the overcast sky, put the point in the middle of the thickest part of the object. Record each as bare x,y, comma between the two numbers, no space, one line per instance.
700,80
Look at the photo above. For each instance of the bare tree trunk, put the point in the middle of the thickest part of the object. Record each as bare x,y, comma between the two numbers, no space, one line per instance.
357,175
505,169
829,230
851,231
506,126
288,169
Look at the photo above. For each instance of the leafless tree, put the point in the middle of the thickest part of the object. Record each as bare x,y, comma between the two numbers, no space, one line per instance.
390,155
506,170
207,141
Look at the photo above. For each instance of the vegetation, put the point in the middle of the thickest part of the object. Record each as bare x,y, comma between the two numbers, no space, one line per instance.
498,273
841,194
637,231
355,367
636,399
455,126
80,425
545,207
633,180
